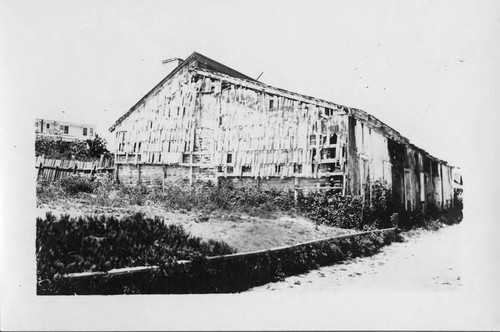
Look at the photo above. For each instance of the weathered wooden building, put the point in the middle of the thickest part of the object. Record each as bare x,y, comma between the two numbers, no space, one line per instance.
205,121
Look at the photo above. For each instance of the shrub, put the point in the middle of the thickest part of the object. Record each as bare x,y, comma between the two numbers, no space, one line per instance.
68,245
378,212
208,197
452,216
46,191
75,184
412,219
137,194
57,148
350,212
332,210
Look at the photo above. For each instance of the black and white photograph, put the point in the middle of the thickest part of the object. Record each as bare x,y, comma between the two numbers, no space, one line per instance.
249,165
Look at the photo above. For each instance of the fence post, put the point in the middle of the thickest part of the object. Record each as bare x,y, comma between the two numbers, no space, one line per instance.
164,177
40,171
117,179
92,172
296,190
74,168
56,172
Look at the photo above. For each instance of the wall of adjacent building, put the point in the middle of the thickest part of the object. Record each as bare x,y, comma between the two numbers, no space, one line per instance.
368,159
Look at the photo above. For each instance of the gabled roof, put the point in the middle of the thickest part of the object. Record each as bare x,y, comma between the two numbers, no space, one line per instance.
203,62
196,60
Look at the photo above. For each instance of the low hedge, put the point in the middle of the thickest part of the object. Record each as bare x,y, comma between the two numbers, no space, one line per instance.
68,245
230,273
241,272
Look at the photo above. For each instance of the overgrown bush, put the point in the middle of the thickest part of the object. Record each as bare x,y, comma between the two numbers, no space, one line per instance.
332,210
84,150
66,245
208,197
378,212
47,191
51,191
137,194
453,215
411,219
75,184
349,212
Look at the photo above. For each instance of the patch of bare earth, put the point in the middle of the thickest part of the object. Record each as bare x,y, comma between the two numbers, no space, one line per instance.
242,231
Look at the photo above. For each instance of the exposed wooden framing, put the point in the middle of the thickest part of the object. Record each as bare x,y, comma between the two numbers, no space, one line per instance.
264,88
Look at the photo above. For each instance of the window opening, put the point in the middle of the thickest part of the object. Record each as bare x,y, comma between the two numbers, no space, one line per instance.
333,139
297,168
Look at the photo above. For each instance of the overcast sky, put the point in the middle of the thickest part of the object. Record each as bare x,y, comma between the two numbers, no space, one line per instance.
414,65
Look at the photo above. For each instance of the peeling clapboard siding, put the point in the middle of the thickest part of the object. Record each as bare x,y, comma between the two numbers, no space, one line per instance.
198,121
162,127
258,134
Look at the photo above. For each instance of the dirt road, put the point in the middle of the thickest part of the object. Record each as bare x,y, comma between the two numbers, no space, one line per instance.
428,260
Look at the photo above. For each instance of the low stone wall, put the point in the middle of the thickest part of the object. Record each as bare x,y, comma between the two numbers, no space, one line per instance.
229,273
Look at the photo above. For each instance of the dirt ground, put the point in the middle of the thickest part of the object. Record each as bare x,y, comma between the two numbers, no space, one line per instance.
241,231
426,261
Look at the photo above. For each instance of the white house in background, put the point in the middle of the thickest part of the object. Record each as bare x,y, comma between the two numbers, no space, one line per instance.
65,130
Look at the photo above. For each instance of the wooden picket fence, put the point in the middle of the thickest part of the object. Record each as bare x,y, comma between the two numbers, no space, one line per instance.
55,169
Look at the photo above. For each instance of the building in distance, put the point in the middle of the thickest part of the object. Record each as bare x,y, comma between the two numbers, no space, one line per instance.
67,131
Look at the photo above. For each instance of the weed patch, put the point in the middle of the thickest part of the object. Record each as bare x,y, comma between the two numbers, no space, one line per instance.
321,207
